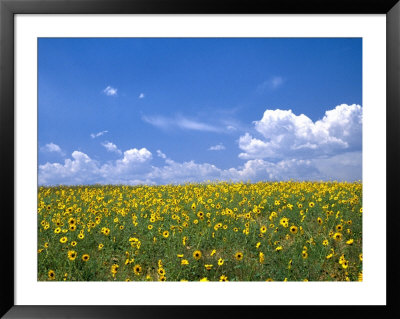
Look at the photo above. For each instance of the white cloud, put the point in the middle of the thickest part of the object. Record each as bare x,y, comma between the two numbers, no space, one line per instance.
161,154
136,156
218,147
110,91
258,169
344,167
141,96
94,135
286,135
174,173
288,146
136,168
181,123
111,147
81,169
52,148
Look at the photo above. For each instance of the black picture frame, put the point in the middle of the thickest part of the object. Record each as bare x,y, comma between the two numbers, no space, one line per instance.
8,8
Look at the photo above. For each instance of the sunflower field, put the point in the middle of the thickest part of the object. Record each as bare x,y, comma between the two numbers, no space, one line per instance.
266,231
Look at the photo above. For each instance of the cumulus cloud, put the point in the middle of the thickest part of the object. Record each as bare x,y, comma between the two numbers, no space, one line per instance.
258,169
94,135
218,147
135,168
136,156
286,146
283,134
141,96
110,91
52,148
81,169
111,147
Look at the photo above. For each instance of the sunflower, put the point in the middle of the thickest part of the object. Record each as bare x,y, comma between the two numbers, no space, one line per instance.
263,229
72,227
51,274
208,267
220,262
114,269
304,254
350,242
284,222
325,242
293,229
337,236
165,233
184,262
223,278
161,271
72,255
319,220
150,227
197,254
137,269
311,204
85,257
81,236
100,247
239,255
339,227
63,240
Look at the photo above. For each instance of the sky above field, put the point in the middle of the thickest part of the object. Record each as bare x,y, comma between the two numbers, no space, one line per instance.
160,111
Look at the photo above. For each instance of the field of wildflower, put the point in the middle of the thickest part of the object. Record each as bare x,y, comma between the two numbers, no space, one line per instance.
266,231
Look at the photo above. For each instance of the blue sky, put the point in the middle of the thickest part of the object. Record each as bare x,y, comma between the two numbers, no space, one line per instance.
177,110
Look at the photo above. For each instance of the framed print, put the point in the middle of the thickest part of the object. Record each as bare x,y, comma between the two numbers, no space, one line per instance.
160,154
